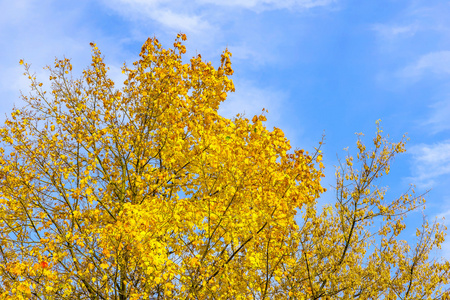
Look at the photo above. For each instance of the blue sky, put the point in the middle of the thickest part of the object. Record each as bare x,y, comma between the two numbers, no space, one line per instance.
318,66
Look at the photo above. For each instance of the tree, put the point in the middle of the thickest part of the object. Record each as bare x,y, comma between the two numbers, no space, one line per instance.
146,192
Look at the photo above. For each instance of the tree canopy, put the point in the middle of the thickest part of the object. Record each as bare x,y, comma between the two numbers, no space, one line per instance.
146,192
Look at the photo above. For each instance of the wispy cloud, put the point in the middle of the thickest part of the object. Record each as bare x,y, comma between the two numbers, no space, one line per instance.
390,32
414,43
437,63
415,17
250,99
439,117
198,16
249,54
430,163
175,15
261,5
415,46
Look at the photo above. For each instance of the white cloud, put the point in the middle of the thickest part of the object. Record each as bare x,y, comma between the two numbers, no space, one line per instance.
430,163
417,37
175,15
181,22
261,5
417,16
440,116
250,99
256,56
394,31
201,15
436,63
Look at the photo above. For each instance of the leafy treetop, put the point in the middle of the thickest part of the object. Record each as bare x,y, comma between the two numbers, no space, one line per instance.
146,192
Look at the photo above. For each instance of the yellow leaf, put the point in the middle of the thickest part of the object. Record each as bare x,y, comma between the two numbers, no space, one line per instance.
104,266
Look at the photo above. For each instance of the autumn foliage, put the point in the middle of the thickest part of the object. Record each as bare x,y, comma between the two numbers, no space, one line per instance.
146,192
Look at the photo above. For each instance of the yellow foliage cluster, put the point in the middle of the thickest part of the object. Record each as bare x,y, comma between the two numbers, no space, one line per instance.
148,193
